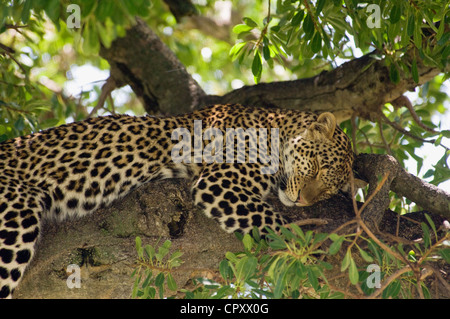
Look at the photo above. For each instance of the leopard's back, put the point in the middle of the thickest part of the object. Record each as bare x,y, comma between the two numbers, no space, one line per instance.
83,165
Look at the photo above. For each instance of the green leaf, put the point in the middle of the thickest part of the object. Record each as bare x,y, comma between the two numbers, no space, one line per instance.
446,133
171,282
174,259
395,14
279,286
249,21
426,235
441,26
88,6
444,39
257,66
19,124
246,267
149,251
319,6
433,226
231,257
225,270
353,272
163,250
313,278
236,49
241,28
334,236
346,260
91,43
418,34
26,11
139,249
103,10
135,288
298,231
147,279
266,53
410,26
138,242
130,6
394,75
335,246
445,253
248,242
167,244
320,237
159,280
365,255
308,27
161,291
392,290
52,8
287,233
316,42
298,17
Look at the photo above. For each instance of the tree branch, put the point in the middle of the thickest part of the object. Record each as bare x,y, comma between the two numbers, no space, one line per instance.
359,86
158,78
429,197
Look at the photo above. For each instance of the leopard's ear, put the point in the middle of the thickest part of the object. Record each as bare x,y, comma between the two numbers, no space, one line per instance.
324,126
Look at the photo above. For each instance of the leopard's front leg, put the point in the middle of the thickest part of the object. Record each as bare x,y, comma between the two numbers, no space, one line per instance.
233,195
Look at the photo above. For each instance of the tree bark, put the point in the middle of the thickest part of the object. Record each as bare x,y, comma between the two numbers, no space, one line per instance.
158,78
427,196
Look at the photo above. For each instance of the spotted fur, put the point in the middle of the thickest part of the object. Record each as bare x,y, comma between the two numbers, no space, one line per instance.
73,169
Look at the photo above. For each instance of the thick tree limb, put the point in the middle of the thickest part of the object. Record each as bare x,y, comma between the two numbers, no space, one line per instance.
154,73
359,86
429,197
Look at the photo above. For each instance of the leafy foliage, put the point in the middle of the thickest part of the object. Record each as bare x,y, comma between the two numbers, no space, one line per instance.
296,264
157,265
300,31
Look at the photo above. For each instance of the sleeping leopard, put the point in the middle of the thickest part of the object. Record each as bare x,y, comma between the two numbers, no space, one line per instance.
233,155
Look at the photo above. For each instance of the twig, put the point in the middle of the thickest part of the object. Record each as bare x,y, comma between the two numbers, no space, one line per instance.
388,280
403,131
385,143
9,52
377,189
264,30
7,48
367,141
380,243
404,101
107,88
309,221
15,27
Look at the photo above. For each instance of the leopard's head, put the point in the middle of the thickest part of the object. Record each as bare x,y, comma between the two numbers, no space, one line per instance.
317,163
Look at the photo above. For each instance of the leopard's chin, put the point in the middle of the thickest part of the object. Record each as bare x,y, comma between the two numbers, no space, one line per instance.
284,198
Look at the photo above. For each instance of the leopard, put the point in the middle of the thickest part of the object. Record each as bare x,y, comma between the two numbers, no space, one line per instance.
72,170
